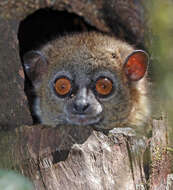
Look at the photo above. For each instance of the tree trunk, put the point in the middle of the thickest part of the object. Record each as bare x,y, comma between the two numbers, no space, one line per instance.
81,158
161,156
76,157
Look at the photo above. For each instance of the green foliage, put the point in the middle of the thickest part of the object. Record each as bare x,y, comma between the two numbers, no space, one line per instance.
161,48
10,180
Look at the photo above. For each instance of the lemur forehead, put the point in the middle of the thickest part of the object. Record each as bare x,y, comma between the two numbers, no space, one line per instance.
93,48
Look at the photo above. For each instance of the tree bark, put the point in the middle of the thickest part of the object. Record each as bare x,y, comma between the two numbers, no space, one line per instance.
81,158
76,157
161,157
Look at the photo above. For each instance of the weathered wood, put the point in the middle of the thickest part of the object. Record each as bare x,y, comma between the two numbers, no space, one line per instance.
13,103
169,182
161,158
74,157
81,158
65,157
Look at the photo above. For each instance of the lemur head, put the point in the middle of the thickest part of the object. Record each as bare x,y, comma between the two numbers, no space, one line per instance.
88,79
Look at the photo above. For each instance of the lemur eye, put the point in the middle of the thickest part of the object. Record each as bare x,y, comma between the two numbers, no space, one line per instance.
104,86
62,86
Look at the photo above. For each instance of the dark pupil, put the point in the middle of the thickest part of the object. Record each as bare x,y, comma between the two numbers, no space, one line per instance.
63,86
103,86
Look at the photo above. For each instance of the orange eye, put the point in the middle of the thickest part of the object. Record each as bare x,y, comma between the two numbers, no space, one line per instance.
104,86
62,86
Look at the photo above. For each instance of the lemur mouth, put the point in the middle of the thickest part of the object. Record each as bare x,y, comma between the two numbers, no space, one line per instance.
83,120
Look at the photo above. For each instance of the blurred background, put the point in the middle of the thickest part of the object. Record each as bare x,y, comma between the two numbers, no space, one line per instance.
160,45
10,180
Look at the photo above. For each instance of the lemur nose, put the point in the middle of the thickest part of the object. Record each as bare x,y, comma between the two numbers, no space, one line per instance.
81,108
81,103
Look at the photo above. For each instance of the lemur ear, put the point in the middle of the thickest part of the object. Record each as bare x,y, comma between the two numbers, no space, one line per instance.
135,65
35,64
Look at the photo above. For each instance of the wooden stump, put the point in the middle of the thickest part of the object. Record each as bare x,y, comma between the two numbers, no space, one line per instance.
75,157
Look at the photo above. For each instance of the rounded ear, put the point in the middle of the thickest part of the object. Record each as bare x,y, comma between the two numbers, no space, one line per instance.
135,65
35,64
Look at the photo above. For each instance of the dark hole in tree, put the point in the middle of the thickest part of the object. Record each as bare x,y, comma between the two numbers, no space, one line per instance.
46,24
41,26
60,156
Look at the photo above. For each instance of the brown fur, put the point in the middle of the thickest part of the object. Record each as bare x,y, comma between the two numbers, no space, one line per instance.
98,51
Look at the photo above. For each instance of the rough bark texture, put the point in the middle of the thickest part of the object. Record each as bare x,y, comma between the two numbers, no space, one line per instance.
66,157
124,18
74,157
13,102
161,157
